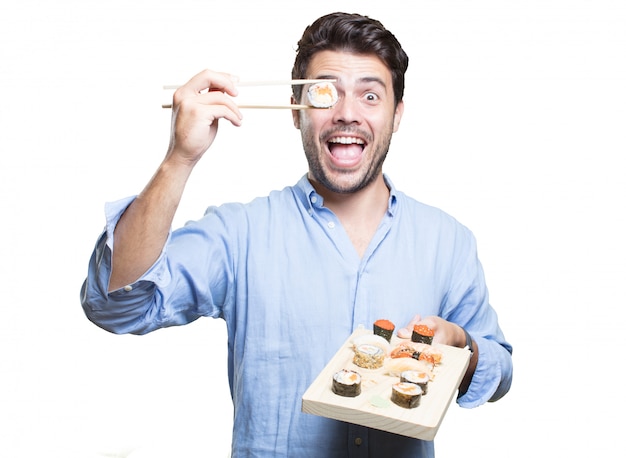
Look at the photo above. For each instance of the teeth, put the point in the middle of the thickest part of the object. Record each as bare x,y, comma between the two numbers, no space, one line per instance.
346,140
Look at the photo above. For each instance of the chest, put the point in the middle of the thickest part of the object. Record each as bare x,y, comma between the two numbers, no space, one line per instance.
321,283
361,236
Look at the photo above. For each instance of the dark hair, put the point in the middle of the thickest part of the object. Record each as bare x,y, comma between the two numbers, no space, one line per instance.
352,33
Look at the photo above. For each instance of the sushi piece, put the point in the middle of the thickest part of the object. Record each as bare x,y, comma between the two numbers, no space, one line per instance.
368,356
420,378
322,95
407,395
422,334
423,357
420,351
384,328
372,339
347,383
429,353
406,351
396,366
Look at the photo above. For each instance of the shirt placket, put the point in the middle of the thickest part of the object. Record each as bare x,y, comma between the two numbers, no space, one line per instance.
358,441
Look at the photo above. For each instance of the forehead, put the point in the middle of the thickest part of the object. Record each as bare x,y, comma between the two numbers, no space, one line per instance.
345,66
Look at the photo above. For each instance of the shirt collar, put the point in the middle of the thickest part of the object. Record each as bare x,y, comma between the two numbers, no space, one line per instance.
311,199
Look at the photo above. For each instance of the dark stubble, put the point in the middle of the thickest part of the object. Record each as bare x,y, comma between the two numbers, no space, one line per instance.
377,156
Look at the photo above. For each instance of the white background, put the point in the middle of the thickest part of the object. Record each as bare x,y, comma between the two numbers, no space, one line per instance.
514,123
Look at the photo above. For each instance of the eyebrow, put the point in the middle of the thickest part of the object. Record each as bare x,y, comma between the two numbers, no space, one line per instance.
372,79
326,77
364,79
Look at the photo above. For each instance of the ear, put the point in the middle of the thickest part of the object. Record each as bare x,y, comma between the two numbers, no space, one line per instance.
295,114
398,116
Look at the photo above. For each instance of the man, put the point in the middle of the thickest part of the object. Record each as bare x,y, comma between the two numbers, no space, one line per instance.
293,274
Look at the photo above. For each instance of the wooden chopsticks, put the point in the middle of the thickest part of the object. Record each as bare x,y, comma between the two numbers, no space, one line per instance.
266,83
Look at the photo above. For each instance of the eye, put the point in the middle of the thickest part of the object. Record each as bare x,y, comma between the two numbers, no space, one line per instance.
371,97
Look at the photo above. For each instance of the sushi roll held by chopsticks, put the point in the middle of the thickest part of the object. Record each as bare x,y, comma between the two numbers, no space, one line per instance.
323,95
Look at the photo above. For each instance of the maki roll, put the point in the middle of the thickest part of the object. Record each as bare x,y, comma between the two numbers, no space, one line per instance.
419,378
368,356
422,334
347,383
384,328
407,395
372,339
323,95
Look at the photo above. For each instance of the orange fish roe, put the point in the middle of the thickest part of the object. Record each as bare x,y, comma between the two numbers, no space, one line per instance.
423,330
385,324
423,334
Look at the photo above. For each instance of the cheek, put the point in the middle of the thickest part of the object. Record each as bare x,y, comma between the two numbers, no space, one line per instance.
382,126
387,123
309,125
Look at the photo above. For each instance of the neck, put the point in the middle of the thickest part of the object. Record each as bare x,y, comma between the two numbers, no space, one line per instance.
361,212
373,198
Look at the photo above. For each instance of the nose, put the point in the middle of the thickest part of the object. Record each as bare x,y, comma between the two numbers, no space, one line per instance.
346,111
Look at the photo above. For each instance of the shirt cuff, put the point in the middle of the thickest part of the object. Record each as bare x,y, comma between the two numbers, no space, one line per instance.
487,376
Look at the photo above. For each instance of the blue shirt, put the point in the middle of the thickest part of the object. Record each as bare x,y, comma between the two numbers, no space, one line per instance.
284,275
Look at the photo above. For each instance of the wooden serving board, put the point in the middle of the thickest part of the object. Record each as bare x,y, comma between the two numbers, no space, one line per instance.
373,407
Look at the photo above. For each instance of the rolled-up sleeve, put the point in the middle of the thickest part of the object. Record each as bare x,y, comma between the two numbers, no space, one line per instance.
493,375
126,310
191,278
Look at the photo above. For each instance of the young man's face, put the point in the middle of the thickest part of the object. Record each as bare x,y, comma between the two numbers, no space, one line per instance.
346,145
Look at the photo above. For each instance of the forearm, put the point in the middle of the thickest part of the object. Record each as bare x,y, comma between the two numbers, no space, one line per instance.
142,231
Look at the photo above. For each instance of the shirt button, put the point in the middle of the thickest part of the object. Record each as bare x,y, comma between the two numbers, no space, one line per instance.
331,225
128,288
358,441
313,199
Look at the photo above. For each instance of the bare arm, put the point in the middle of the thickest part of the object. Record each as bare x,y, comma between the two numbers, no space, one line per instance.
143,228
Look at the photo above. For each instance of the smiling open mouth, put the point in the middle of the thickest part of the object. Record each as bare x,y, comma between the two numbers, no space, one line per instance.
346,147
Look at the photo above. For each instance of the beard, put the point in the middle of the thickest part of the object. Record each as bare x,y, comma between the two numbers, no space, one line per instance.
345,181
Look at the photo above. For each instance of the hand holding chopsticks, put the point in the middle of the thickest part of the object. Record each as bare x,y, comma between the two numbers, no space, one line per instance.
319,93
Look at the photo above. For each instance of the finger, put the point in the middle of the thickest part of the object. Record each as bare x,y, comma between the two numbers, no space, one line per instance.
208,107
206,81
220,106
406,332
